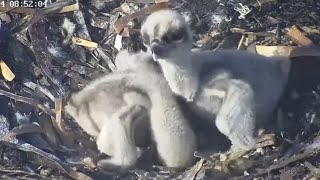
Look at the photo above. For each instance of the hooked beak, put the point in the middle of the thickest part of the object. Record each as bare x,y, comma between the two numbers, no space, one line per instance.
157,48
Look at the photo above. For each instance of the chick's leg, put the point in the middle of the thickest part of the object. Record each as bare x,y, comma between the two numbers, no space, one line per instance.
117,140
236,118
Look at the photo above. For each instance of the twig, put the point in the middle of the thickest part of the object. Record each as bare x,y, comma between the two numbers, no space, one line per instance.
43,57
241,42
27,100
22,129
106,58
60,125
34,87
14,172
82,31
286,162
35,15
243,31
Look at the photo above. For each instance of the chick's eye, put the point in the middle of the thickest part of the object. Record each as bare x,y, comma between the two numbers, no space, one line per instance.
176,36
166,39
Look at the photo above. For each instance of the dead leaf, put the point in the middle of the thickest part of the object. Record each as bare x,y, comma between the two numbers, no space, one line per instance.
6,71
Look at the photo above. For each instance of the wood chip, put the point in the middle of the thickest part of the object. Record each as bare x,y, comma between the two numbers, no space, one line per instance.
83,42
121,23
241,42
296,36
288,51
6,71
58,110
148,1
73,7
274,50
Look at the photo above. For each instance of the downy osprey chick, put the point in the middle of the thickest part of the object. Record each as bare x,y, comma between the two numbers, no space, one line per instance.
109,106
238,89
